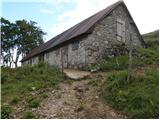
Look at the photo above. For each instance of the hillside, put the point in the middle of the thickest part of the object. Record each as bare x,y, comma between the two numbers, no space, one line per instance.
41,91
152,36
152,39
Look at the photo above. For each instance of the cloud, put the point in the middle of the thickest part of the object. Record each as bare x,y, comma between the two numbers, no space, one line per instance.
46,11
83,9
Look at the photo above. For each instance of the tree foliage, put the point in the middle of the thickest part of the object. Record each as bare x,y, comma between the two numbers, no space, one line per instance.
18,39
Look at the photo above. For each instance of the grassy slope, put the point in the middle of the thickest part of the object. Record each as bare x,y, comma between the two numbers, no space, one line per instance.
20,82
152,39
152,36
138,97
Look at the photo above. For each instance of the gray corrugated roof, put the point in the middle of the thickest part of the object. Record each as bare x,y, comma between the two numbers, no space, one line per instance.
79,29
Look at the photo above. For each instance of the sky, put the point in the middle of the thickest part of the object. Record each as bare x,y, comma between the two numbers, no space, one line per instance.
56,16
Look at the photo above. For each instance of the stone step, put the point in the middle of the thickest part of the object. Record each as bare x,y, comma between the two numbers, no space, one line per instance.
76,74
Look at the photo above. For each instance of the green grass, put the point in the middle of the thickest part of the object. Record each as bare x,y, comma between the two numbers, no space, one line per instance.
138,98
15,100
141,57
29,115
34,103
152,39
24,80
6,110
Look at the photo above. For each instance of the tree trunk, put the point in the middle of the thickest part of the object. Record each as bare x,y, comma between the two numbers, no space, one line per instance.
10,59
16,60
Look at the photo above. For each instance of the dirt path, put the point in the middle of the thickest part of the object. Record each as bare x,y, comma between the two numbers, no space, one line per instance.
76,100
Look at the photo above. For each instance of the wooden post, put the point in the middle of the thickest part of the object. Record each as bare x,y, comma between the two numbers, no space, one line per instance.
130,58
62,60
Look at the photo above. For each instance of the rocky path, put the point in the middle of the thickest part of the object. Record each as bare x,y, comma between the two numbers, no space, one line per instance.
75,100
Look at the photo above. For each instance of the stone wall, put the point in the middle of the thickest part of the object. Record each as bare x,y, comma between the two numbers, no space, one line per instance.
97,45
31,61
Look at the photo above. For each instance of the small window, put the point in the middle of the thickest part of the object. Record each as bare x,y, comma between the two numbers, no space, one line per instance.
120,30
75,45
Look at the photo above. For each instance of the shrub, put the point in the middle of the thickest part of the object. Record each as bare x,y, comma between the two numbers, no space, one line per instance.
29,115
137,97
5,112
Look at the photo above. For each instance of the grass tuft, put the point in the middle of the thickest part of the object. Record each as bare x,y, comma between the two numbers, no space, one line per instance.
6,110
29,115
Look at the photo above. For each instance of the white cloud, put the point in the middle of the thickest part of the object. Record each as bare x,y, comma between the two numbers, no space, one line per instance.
46,11
83,9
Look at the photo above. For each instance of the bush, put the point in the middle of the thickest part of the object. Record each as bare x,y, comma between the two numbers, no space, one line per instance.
5,112
138,97
29,115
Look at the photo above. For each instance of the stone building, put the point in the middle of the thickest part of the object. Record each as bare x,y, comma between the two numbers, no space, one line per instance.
90,40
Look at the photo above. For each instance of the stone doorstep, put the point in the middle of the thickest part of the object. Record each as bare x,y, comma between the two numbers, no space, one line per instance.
76,74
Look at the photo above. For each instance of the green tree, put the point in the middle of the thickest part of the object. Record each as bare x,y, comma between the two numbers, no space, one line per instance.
18,39
7,42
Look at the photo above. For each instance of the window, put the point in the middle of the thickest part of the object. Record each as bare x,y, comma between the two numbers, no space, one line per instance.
120,30
75,45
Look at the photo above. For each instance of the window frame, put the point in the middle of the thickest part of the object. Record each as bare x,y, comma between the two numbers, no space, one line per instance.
75,45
